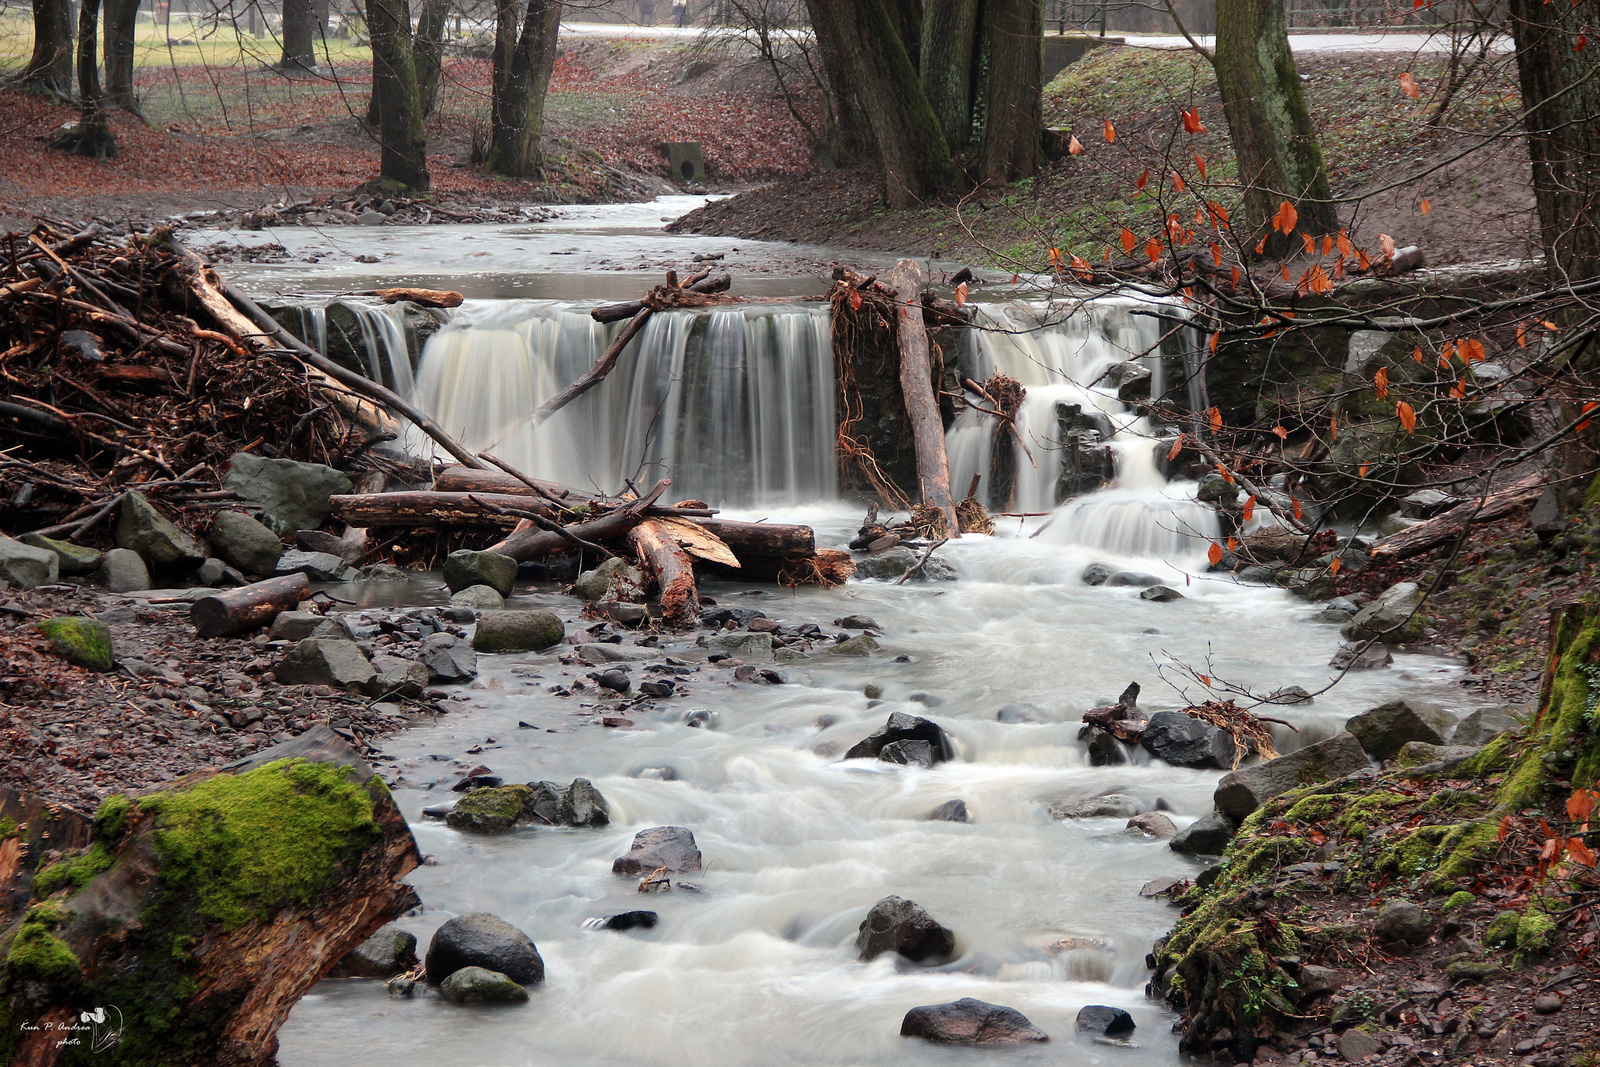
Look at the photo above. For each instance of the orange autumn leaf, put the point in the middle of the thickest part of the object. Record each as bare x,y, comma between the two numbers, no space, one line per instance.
1215,415
1333,427
1318,280
1177,446
1590,406
961,294
1522,335
855,299
1220,212
1152,248
1327,244
1581,854
1081,268
1408,416
1212,344
1055,258
1177,182
1416,354
1284,221
1074,146
1205,679
1299,512
1249,509
1362,472
1386,244
1111,132
1191,121
1284,267
1335,565
1363,259
1310,244
1580,805
1427,205
1236,277
1472,350
1216,253
1214,553
1233,544
1143,178
1408,85
1200,165
1380,382
1129,241
1345,247
1283,434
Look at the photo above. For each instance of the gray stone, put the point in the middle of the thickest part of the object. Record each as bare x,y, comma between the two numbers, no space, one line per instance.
629,920
1160,593
388,952
949,811
1096,574
970,1022
384,572
211,572
1392,617
70,558
1401,920
615,579
370,217
897,925
1206,836
448,659
1242,791
859,645
1215,489
478,985
1132,580
903,727
352,552
1291,694
1356,1045
895,562
145,530
479,939
1545,518
245,543
1318,981
318,566
907,753
1153,824
743,645
1020,713
517,631
1482,726
1107,806
1184,741
1384,729
1308,583
492,809
1101,1019
291,496
617,653
1104,748
125,571
398,677
1131,380
295,625
26,567
585,806
859,622
334,661
466,567
1356,658
479,598
401,986
1434,757
661,847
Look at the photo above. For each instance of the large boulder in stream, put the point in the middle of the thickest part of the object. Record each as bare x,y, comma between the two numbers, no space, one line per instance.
479,939
898,925
479,985
245,543
466,567
1184,741
1242,791
227,870
1384,730
661,848
1392,617
903,727
971,1022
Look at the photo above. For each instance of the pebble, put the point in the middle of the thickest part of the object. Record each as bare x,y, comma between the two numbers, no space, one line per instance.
1547,1004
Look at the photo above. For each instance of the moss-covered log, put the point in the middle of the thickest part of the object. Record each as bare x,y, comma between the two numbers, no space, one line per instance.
197,914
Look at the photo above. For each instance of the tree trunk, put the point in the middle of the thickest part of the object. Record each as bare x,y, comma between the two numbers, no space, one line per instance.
906,17
50,68
880,74
299,36
429,51
916,387
1014,105
523,545
1279,155
435,509
949,64
672,570
851,132
514,139
119,24
92,136
402,139
506,13
248,607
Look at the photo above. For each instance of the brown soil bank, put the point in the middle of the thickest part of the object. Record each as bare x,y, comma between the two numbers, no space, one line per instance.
1475,208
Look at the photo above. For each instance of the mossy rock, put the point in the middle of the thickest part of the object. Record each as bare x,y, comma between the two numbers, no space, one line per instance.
1502,932
85,642
73,873
37,954
1536,932
493,810
1460,899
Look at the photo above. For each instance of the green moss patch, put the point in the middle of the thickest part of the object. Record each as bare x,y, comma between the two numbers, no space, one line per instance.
37,954
74,873
85,642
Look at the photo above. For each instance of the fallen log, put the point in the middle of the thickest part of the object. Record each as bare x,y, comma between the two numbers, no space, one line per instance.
430,298
524,545
249,607
672,570
776,540
467,480
696,540
627,309
916,387
424,508
1415,540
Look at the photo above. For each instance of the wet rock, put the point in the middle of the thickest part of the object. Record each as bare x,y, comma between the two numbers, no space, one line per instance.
466,567
1132,580
858,622
478,598
1153,824
616,680
1107,806
1308,583
318,566
384,572
1206,836
291,496
398,677
701,719
1401,920
1215,489
903,727
1384,729
1356,1045
245,543
1434,757
1273,544
631,920
124,571
949,811
388,952
742,645
859,645
493,810
448,659
615,579
1242,791
1482,726
1104,748
143,529
1096,574
669,847
1160,593
1290,694
720,617
1100,1019
617,653
907,753
898,925
352,552
1019,713
1318,982
1355,658
517,631
211,572
891,565
632,615
1184,741
25,566
478,985
659,688
971,1022
1392,617
479,939
1547,1004
295,625
334,661
70,558
85,642
1130,379
401,986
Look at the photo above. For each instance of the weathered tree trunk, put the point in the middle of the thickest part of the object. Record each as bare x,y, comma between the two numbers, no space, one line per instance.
401,137
1276,145
672,570
506,19
916,386
1415,540
435,509
949,65
249,607
519,120
50,67
906,17
851,131
429,51
92,136
299,36
469,480
1014,102
878,69
120,16
524,545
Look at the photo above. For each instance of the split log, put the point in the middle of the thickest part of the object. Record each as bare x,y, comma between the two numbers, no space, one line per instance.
672,570
434,509
249,607
1415,540
467,480
524,545
698,541
916,386
595,374
429,298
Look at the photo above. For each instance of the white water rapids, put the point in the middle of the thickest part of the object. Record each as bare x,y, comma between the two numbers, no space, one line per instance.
759,967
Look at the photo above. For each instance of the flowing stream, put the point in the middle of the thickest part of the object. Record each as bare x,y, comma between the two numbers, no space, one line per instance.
758,967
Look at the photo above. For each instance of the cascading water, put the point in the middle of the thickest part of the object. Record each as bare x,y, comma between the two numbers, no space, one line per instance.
734,405
1064,363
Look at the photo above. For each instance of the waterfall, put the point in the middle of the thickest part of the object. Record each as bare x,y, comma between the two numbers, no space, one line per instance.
736,406
1069,367
383,337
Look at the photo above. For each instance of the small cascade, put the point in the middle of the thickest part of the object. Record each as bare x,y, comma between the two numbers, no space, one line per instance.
383,341
735,405
1082,454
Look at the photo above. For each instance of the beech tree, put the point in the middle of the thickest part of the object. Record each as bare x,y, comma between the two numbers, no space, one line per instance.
299,36
120,17
401,137
49,69
521,76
